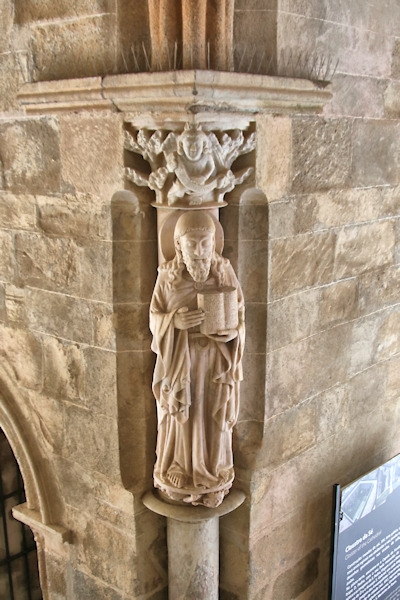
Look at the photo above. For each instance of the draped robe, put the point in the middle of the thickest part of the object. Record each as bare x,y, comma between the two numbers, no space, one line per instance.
196,385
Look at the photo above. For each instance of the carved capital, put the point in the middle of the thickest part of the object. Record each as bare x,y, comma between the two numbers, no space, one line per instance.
192,168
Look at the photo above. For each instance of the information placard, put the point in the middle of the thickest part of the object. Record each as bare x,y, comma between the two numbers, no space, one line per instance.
366,549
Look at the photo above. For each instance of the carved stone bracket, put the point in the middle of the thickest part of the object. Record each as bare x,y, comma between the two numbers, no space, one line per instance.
191,168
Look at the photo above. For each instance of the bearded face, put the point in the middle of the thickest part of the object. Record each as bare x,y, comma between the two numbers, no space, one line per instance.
197,250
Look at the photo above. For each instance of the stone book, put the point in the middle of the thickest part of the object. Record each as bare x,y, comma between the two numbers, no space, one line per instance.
221,309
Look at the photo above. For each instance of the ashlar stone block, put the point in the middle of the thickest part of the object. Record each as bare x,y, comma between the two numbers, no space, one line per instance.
7,264
10,79
291,433
376,153
38,10
79,216
48,263
364,247
64,370
30,156
22,351
339,303
6,23
321,154
74,47
17,211
300,310
379,288
88,134
300,262
60,315
91,440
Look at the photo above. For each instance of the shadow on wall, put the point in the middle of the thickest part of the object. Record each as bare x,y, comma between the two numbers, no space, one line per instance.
134,274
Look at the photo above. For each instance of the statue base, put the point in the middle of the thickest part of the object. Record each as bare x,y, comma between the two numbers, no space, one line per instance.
193,544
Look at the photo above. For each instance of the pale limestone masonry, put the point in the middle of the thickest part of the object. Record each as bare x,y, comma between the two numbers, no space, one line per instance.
314,238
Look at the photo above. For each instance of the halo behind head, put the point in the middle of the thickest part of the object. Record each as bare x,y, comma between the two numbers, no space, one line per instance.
198,220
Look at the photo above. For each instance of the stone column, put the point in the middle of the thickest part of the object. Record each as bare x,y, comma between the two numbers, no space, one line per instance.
193,545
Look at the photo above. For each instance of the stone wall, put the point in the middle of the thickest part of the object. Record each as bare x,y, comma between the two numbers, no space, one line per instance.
318,255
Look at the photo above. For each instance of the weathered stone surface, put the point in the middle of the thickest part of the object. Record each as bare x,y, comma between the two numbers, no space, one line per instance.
103,325
37,10
252,388
357,96
393,381
135,271
390,201
274,144
96,274
256,322
392,102
252,270
48,263
74,215
17,212
81,40
321,154
91,440
255,19
366,390
293,318
60,315
30,156
291,433
363,248
316,212
379,288
362,347
320,356
396,59
3,313
366,53
6,11
56,576
100,381
376,153
388,336
300,262
85,134
47,416
133,30
64,370
15,304
331,411
22,352
88,587
132,327
132,218
7,264
339,303
10,79
300,577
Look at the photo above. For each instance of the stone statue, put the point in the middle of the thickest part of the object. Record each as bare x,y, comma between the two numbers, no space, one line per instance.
196,376
190,168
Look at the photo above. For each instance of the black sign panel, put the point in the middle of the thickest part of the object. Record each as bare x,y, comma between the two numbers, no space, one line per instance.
366,549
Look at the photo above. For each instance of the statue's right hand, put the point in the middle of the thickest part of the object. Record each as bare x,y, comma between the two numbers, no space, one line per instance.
185,318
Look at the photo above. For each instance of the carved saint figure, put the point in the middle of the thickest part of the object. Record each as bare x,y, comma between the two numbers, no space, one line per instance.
196,377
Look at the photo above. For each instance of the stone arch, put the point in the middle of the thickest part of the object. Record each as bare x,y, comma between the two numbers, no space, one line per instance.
39,479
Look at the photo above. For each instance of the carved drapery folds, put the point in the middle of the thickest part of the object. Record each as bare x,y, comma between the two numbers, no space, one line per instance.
197,308
202,28
191,168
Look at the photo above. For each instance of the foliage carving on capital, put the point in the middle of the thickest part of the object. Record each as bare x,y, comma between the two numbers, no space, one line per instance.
191,168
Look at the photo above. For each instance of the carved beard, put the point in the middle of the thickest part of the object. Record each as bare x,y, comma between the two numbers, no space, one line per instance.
198,269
